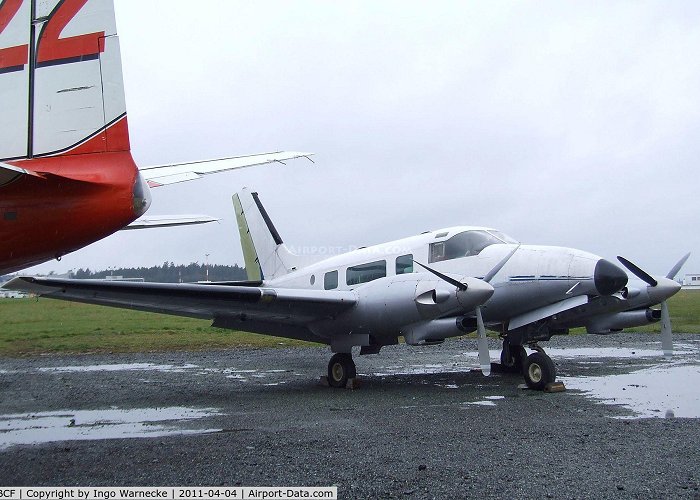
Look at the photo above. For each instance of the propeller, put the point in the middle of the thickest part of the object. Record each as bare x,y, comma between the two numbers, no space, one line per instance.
460,286
674,270
481,342
666,329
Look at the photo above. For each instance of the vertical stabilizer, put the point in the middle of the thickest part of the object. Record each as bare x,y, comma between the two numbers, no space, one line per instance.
266,256
61,85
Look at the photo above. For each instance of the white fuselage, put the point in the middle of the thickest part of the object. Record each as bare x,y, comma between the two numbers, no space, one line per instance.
534,276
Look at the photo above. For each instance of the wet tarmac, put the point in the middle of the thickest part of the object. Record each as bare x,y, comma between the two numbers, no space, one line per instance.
111,423
259,416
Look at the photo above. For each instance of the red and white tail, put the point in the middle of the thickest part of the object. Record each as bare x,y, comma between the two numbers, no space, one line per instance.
61,85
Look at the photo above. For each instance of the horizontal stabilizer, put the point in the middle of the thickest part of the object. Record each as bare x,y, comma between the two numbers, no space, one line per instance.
162,175
169,221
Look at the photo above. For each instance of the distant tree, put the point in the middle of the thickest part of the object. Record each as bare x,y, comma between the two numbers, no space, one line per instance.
169,272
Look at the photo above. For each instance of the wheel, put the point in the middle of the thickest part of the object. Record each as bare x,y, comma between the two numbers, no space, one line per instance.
341,367
512,357
539,370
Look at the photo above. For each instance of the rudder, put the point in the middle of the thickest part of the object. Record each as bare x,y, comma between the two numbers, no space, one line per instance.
61,84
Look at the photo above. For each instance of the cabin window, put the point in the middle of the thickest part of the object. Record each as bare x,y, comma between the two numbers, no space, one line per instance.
330,280
465,244
404,264
365,272
437,251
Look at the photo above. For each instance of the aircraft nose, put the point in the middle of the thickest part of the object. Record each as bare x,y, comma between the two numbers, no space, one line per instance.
608,278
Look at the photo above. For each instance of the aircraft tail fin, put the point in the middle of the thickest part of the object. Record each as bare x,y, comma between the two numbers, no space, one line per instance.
265,254
61,85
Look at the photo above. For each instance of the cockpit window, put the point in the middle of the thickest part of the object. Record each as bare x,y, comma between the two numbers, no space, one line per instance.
466,244
503,236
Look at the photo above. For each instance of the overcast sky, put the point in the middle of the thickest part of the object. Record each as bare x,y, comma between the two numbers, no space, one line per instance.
560,123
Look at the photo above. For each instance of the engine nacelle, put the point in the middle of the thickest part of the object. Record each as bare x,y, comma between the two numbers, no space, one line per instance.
613,323
437,330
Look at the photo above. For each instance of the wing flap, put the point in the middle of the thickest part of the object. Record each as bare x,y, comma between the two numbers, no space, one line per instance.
207,301
162,175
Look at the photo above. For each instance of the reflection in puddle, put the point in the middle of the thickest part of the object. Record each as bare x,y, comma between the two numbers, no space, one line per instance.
663,390
80,425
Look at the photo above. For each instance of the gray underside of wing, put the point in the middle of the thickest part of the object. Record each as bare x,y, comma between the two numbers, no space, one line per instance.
279,311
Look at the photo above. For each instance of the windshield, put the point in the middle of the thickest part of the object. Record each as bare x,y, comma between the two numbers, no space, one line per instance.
466,244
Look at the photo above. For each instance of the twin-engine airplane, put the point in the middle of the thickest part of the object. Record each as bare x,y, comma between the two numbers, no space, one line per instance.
424,288
67,177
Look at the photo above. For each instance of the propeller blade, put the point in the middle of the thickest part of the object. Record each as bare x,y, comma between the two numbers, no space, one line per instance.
666,340
674,270
642,275
493,272
451,281
483,344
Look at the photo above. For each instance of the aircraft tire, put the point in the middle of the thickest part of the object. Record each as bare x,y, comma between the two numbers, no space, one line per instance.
341,367
539,370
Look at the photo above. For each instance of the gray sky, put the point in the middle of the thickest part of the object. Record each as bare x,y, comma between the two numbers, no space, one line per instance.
562,123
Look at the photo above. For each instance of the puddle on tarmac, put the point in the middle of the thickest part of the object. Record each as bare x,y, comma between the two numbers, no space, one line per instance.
487,401
659,391
118,368
110,423
188,367
601,352
471,362
422,369
480,403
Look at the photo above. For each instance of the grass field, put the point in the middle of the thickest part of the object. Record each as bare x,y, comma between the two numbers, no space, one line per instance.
31,326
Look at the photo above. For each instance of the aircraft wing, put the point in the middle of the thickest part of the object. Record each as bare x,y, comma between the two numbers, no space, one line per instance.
289,309
547,311
169,221
162,175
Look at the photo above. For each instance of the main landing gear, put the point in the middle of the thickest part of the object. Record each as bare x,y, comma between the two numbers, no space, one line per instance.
341,367
538,369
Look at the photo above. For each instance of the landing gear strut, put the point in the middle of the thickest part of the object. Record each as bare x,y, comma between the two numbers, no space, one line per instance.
512,357
341,367
539,369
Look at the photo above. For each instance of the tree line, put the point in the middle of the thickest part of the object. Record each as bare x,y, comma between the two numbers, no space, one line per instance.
168,272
